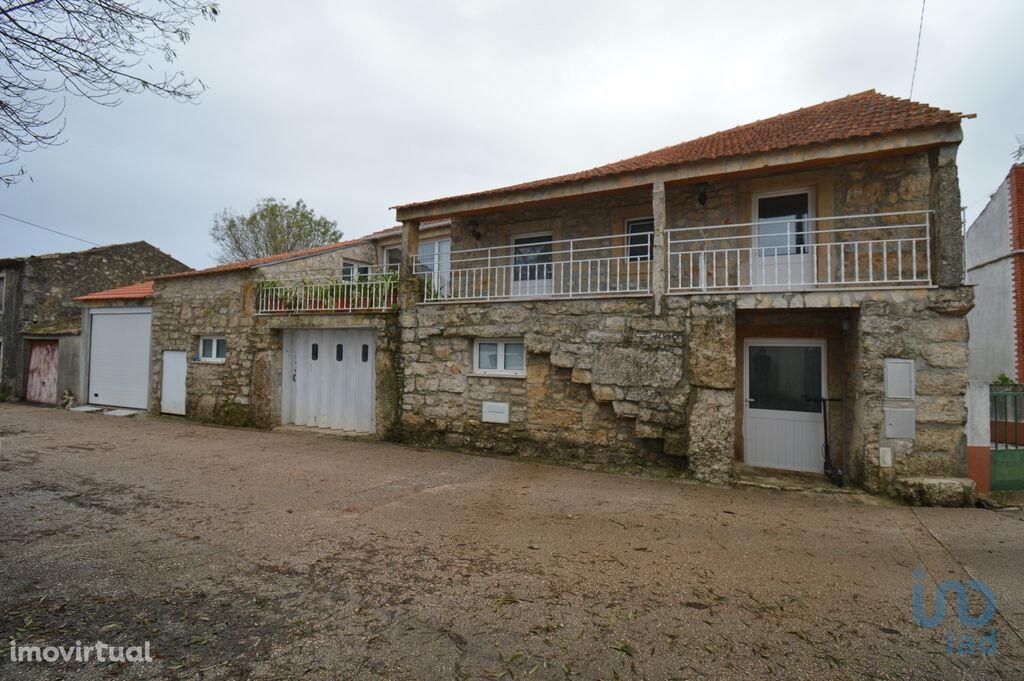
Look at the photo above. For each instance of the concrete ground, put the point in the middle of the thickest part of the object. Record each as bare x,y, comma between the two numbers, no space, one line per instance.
240,554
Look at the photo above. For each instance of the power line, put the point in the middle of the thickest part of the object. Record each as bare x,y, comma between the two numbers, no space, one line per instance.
917,50
55,231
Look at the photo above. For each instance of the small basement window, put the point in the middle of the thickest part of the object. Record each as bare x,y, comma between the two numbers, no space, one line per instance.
213,349
499,357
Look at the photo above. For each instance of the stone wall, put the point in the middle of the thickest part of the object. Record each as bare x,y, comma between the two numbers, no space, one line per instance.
593,216
323,265
53,281
186,308
610,381
11,359
245,390
606,380
929,327
45,305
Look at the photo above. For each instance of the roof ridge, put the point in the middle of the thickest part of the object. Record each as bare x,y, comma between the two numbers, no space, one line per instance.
854,116
741,126
237,265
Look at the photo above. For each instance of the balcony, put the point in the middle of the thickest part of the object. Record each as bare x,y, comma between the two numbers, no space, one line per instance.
371,290
597,266
879,250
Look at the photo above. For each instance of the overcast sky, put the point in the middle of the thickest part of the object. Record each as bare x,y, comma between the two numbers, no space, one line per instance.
355,107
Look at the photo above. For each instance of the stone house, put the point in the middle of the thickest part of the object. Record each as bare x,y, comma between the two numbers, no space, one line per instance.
695,304
699,306
205,351
40,322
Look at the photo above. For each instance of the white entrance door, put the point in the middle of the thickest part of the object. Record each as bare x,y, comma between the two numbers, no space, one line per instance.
532,270
783,257
783,420
172,382
329,379
119,357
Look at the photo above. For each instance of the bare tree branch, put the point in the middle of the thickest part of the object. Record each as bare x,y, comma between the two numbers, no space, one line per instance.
95,49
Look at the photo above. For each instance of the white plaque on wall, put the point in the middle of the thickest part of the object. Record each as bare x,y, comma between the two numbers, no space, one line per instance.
494,412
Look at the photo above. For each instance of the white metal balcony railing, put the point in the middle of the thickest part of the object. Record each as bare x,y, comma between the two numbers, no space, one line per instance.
616,265
360,290
877,250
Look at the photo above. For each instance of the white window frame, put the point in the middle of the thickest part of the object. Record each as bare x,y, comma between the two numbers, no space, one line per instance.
351,271
440,277
629,239
809,224
501,370
386,257
214,359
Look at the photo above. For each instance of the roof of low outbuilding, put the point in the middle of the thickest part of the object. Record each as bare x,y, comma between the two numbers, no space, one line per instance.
856,116
138,291
239,265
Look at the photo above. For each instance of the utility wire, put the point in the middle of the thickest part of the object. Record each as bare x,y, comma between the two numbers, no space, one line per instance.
917,50
55,231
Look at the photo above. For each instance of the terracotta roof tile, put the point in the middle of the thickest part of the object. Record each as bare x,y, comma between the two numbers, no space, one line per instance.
143,289
267,260
864,114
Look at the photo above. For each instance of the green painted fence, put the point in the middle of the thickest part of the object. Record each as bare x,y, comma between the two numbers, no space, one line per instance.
1007,431
1007,470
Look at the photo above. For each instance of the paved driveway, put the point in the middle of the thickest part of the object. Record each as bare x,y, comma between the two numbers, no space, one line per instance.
242,554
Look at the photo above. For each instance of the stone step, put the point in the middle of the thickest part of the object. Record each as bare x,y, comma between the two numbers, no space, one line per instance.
926,491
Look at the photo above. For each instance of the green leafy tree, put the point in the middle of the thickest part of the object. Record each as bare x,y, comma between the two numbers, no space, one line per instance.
272,227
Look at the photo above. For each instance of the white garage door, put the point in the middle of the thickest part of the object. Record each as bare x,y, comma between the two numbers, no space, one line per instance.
119,357
329,379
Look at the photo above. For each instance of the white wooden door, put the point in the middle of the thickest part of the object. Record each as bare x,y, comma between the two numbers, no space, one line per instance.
532,269
784,253
329,379
783,420
119,357
172,382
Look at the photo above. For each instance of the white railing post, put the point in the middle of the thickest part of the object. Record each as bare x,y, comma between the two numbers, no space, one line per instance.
571,255
928,244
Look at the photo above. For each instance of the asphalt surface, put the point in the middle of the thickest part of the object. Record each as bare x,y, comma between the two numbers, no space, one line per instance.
241,554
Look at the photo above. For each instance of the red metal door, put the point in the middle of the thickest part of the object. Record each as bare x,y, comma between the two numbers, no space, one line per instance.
42,372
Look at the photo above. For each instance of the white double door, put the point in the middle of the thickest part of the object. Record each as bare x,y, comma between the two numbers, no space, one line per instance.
783,418
329,379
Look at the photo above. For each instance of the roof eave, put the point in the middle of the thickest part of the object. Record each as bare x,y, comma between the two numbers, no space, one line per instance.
301,257
915,138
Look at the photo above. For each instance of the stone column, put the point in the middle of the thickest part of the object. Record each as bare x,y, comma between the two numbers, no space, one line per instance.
946,226
408,283
660,247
